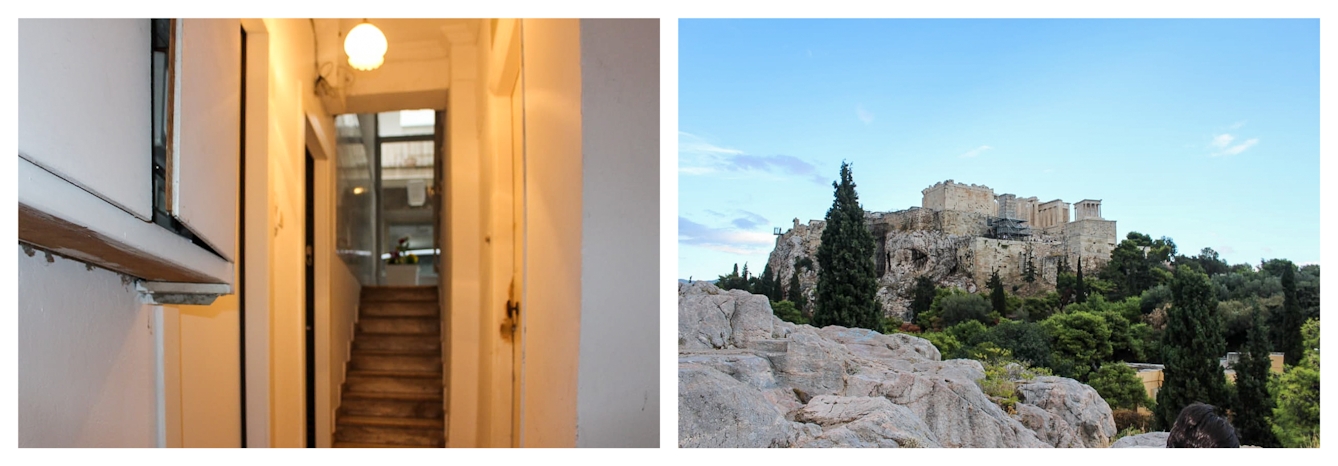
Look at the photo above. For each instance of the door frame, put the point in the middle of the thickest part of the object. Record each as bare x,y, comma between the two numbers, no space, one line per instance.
309,307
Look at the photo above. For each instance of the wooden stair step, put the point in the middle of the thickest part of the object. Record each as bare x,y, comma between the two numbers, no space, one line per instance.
398,293
385,421
408,374
373,445
409,325
391,435
396,362
392,341
399,309
395,396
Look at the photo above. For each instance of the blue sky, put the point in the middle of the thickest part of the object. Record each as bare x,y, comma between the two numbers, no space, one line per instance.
1206,131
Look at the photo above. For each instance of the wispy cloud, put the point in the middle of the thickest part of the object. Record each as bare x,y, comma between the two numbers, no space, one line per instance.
1237,125
863,115
748,220
975,152
1222,145
728,240
696,156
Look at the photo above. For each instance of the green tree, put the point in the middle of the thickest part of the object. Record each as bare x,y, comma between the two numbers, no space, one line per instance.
1079,342
1296,417
955,308
767,285
1027,341
922,296
787,311
1191,346
1119,385
1291,317
796,292
1080,297
847,285
998,301
1254,406
1136,264
1029,269
734,281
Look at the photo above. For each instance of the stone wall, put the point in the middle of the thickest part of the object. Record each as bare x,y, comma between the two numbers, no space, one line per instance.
949,195
1086,209
1091,239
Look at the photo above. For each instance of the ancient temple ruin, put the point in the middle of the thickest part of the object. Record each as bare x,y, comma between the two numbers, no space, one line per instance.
958,236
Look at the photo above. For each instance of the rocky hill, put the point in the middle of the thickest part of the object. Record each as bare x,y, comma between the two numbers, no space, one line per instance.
749,379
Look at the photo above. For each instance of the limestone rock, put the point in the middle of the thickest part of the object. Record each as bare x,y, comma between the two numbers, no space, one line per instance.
1050,428
1076,403
747,379
1148,440
715,410
864,422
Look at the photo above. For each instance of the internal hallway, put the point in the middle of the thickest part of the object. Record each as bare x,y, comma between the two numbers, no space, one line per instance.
353,363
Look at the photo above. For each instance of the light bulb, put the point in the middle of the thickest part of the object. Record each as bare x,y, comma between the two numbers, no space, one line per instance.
366,47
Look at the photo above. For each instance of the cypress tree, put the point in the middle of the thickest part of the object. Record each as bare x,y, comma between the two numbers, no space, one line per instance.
1082,290
1191,345
922,296
1254,406
1029,269
997,299
1291,317
796,293
767,285
846,282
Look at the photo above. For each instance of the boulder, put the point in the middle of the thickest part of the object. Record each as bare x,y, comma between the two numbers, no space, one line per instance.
747,379
1076,403
1148,440
863,422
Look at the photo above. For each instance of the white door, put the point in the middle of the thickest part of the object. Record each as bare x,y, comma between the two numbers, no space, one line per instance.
84,105
207,129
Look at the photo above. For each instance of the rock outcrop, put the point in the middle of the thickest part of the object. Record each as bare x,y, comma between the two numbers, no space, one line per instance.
746,381
1148,440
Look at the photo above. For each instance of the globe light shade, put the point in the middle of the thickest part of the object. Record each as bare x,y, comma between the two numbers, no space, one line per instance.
366,47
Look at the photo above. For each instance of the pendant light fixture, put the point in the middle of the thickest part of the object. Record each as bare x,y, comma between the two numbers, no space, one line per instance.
365,46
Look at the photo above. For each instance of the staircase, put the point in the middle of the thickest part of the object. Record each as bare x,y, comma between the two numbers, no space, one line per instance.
392,394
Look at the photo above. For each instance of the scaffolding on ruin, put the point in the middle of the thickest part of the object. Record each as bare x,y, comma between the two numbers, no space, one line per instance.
1007,225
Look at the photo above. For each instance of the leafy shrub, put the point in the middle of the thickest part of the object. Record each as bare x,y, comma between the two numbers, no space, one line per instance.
1028,342
1131,420
787,311
945,343
957,308
907,327
1119,385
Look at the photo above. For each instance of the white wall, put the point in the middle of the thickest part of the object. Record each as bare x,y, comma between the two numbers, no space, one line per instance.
210,373
619,390
551,70
86,357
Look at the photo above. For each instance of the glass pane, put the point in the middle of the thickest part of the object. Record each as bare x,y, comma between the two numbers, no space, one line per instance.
355,200
406,123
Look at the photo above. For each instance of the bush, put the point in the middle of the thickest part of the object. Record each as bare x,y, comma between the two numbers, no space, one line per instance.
1119,385
945,343
1028,342
967,332
787,311
1132,420
957,308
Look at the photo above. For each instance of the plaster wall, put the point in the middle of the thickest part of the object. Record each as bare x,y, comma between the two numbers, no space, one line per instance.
291,70
618,388
86,357
551,69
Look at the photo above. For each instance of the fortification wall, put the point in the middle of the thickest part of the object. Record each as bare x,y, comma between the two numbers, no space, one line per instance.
1091,239
949,195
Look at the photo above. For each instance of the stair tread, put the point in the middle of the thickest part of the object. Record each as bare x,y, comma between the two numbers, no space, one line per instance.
387,421
396,352
376,445
391,395
376,373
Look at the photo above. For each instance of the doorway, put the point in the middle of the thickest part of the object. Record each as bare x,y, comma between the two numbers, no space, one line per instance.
309,315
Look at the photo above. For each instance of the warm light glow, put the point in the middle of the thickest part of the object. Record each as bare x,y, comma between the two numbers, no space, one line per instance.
366,47
359,190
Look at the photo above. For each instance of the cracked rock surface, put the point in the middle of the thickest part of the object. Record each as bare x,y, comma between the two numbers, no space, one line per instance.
749,379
